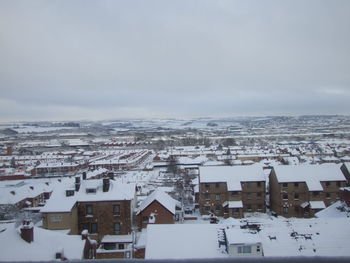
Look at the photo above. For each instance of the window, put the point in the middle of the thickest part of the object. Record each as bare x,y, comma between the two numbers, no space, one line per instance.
116,228
339,184
296,209
258,184
55,218
116,210
207,208
258,249
145,219
93,228
207,186
248,185
207,196
234,193
218,209
121,246
235,211
248,196
217,197
89,211
285,196
285,210
249,208
69,193
315,193
217,185
258,196
86,226
338,196
328,195
285,185
109,246
296,196
296,185
244,249
260,208
328,184
91,190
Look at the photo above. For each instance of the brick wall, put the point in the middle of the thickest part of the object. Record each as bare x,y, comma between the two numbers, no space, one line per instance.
102,214
163,215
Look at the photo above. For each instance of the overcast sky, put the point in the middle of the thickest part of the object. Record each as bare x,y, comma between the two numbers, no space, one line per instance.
72,60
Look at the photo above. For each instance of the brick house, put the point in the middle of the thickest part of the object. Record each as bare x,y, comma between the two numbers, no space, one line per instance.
229,191
301,191
103,207
158,208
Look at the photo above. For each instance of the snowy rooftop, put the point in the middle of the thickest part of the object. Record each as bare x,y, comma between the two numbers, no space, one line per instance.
232,175
338,209
163,198
117,239
313,175
280,237
14,191
44,247
238,236
59,202
233,204
181,241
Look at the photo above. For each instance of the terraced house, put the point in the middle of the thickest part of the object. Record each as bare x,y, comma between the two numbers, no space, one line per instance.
230,191
301,191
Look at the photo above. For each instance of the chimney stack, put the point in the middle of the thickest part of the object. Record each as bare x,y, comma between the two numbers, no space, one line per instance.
77,183
111,175
84,175
105,184
27,231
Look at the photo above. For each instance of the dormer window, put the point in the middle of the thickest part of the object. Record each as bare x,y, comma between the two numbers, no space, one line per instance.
69,193
91,190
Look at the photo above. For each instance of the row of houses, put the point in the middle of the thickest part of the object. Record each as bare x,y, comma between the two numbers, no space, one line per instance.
292,191
106,209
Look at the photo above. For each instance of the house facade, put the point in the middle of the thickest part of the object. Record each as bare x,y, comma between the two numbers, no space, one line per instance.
302,191
230,191
158,208
102,207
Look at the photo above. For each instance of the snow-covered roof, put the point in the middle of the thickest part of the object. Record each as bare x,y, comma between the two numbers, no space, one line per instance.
306,237
279,237
59,202
192,161
179,241
117,239
14,193
233,204
312,175
238,236
163,198
338,209
232,175
44,247
317,205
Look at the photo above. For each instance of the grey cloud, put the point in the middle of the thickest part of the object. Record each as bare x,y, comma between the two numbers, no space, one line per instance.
175,58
